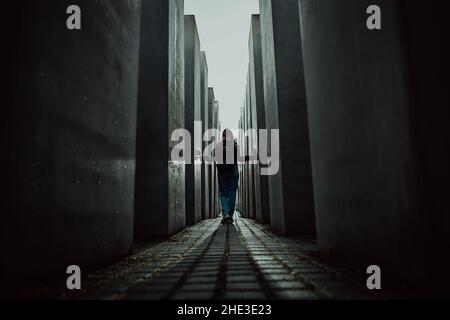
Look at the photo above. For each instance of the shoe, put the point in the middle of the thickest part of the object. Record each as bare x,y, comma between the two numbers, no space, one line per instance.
227,219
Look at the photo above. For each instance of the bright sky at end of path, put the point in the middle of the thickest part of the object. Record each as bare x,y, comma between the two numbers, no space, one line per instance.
224,27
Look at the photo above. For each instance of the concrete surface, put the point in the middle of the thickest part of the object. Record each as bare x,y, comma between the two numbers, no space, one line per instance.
249,150
212,172
193,103
291,190
215,180
206,172
262,210
380,144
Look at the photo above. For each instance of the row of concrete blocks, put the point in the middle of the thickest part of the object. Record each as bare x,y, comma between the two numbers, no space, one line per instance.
253,190
87,131
202,107
364,133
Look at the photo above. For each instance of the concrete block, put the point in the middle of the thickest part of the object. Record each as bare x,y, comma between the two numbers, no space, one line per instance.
244,148
212,172
218,126
242,177
193,103
379,134
245,151
250,150
215,180
160,191
259,115
291,190
68,128
206,170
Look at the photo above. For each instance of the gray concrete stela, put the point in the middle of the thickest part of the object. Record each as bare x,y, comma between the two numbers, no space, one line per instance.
90,178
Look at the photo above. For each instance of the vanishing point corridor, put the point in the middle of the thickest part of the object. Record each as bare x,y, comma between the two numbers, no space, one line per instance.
113,109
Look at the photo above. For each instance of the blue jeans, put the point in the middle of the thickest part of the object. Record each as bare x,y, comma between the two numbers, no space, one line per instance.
228,184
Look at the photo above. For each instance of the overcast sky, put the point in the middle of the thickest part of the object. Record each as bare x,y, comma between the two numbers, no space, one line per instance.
224,27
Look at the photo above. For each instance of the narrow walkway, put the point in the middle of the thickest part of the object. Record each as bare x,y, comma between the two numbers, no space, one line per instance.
214,261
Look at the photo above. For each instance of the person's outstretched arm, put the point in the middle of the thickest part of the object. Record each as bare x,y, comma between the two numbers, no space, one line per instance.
245,158
210,157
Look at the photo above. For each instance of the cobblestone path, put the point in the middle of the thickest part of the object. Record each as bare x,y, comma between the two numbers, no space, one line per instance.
242,261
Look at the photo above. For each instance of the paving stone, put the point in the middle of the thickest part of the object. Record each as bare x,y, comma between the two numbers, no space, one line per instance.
199,286
207,269
308,272
297,295
172,273
263,259
238,263
283,285
242,278
201,280
248,272
205,273
279,277
240,268
273,269
245,286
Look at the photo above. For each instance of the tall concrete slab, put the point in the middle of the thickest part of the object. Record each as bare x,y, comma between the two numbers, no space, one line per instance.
239,198
212,172
291,190
379,134
243,175
160,192
193,103
250,149
68,138
242,185
244,150
206,188
259,116
253,148
215,181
